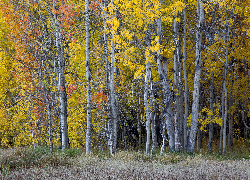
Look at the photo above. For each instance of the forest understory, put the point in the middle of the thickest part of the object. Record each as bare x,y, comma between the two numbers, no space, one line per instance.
39,163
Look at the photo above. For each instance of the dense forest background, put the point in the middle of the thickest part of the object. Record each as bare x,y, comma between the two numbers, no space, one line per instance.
125,74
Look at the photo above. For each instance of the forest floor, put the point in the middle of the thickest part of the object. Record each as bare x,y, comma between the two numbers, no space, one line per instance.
39,163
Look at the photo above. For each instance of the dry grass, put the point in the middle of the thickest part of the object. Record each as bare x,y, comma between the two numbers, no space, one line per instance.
26,163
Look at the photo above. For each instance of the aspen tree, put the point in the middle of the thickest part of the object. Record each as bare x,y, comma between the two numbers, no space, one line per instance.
146,90
112,84
210,138
89,113
147,110
60,71
177,74
225,89
152,115
107,86
196,92
185,75
167,111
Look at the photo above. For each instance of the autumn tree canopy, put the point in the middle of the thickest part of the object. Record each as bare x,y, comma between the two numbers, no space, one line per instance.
124,74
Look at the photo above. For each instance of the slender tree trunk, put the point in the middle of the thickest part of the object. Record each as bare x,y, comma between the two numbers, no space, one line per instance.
225,91
138,120
89,113
176,127
153,123
225,120
108,77
61,84
181,111
196,92
198,139
167,111
153,130
63,108
179,85
177,80
230,123
147,107
113,129
185,76
210,141
163,134
112,95
223,113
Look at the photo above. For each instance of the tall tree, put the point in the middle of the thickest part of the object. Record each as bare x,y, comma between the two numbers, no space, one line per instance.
146,91
225,88
178,105
88,76
185,75
196,92
112,80
167,111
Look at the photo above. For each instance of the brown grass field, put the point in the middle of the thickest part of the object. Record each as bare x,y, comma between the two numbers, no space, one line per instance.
39,163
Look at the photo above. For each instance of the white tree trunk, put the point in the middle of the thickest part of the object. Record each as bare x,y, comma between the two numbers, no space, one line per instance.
225,91
109,134
223,113
185,77
176,127
225,117
61,83
89,114
153,115
112,95
167,111
147,107
138,120
177,103
63,103
210,138
196,92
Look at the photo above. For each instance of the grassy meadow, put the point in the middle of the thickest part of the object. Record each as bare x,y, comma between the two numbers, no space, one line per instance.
39,163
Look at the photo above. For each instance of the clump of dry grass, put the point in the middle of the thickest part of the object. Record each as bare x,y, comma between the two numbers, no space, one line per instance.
124,165
24,158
